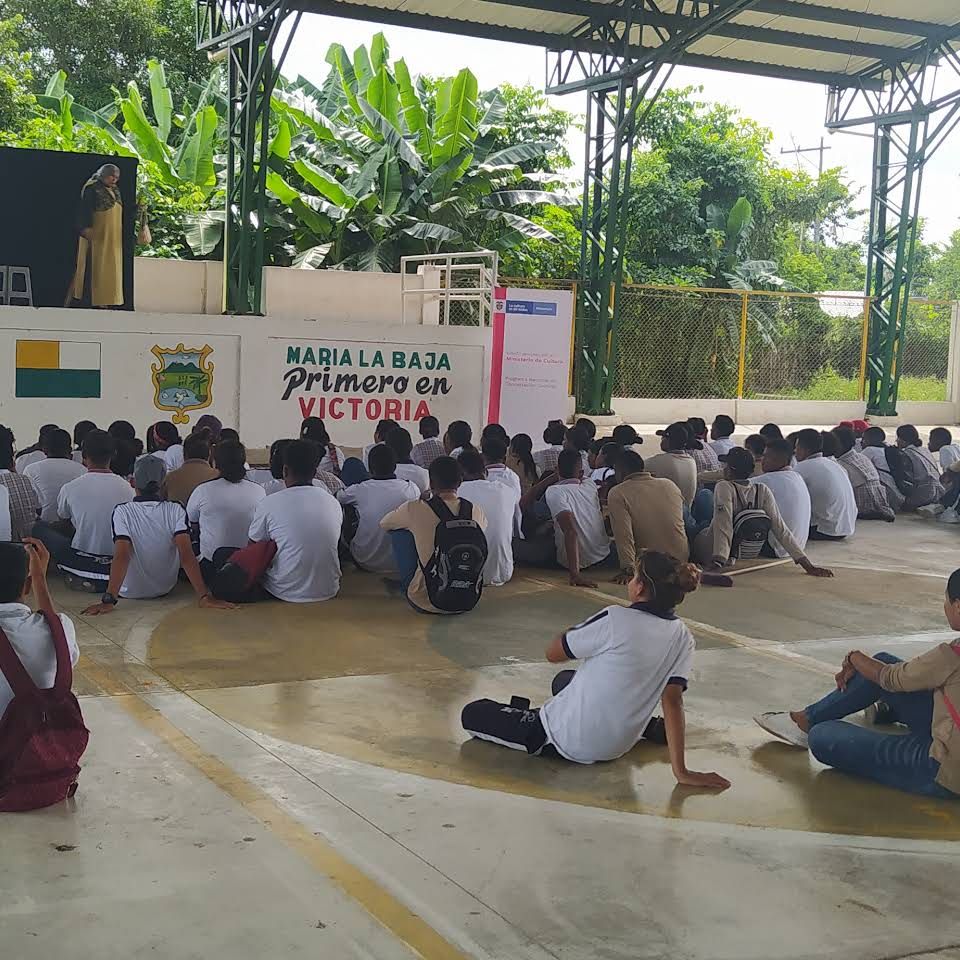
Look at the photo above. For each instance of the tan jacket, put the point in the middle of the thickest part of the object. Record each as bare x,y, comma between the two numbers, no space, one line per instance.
646,513
180,483
681,468
937,670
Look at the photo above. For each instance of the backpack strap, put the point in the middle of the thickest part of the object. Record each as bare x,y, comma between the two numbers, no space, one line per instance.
64,681
443,512
466,510
21,683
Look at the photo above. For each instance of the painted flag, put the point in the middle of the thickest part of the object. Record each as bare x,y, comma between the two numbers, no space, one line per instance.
58,368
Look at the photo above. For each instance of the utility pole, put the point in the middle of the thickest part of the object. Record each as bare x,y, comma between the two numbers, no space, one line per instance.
821,150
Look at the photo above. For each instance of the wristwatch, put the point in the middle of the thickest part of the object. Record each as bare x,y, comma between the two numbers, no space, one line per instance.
108,599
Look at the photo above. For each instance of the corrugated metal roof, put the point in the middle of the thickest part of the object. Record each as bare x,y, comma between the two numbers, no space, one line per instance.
823,41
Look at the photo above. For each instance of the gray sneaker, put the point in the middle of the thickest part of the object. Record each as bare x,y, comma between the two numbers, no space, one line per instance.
781,726
949,515
931,510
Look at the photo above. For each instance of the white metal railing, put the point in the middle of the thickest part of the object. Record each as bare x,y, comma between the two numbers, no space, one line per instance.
450,289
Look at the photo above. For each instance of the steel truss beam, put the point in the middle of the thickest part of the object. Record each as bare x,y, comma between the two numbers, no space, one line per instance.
914,113
622,83
248,32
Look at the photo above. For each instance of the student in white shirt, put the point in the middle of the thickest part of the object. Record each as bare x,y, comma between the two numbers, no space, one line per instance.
380,432
373,499
305,523
721,434
401,443
553,437
579,534
331,483
789,491
224,507
23,571
331,459
164,441
634,659
494,450
833,507
941,442
81,541
35,453
51,473
499,503
80,430
459,436
152,543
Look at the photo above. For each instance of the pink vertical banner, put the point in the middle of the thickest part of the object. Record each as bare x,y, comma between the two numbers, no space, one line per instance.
496,357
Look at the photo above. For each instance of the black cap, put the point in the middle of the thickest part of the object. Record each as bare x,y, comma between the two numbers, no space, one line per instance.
677,433
740,460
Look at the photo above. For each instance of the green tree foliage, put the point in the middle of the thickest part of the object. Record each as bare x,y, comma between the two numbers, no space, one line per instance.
16,101
102,44
945,271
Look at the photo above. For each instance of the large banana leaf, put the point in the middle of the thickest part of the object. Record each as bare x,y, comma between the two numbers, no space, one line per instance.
52,100
495,111
313,257
362,68
391,185
382,94
456,127
203,231
145,138
391,136
414,115
513,198
379,51
281,142
520,152
196,163
338,58
305,111
527,228
161,99
326,185
422,230
429,186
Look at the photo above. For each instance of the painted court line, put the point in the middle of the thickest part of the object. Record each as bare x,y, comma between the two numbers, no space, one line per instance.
386,909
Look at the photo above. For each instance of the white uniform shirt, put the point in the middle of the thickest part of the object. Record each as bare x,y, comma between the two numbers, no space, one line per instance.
580,498
501,473
224,511
30,638
949,454
371,546
150,526
172,457
833,508
498,501
305,524
793,502
415,474
49,477
88,502
6,524
629,657
723,445
28,459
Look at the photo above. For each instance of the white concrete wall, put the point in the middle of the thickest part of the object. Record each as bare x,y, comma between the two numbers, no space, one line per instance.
178,286
252,371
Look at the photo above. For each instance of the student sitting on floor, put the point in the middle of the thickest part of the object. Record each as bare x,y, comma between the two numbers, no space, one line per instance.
587,426
704,456
922,694
223,508
833,508
373,499
23,496
646,513
675,462
520,461
925,475
575,439
196,469
166,444
789,492
401,443
770,431
553,437
494,451
733,497
305,521
56,469
868,489
151,543
80,430
873,445
431,446
34,454
941,443
380,432
81,541
756,444
634,658
721,434
23,572
413,529
627,437
499,502
459,437
331,456
332,484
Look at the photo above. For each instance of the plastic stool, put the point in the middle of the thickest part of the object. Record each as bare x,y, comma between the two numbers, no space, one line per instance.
13,296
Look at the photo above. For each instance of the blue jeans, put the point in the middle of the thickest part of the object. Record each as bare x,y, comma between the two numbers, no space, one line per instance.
899,761
699,514
353,471
405,555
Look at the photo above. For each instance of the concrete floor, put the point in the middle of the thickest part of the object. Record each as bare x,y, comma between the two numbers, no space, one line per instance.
287,781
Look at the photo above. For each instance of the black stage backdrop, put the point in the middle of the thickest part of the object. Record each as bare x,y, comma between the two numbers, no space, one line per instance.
38,225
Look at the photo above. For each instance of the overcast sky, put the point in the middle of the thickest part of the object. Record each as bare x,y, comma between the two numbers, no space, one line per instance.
793,111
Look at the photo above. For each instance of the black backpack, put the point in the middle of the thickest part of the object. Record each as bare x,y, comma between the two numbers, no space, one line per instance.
901,467
751,528
454,573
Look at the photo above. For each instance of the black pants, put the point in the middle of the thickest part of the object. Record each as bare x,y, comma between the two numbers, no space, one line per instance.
81,571
815,534
518,726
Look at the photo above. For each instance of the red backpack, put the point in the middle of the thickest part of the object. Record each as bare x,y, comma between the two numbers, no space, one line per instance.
42,735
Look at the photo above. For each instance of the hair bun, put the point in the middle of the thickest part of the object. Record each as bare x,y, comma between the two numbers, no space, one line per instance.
688,577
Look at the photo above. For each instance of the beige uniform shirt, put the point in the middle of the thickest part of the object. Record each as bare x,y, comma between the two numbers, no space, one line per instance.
646,513
681,468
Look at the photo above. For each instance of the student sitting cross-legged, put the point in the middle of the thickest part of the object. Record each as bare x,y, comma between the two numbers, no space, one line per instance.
868,489
737,500
416,542
151,543
634,659
921,695
53,472
833,507
789,492
304,521
373,499
401,443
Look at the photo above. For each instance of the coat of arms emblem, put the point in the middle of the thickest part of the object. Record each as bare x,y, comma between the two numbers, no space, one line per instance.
183,379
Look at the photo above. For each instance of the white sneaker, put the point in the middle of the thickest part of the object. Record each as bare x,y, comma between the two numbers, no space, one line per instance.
949,515
931,510
780,725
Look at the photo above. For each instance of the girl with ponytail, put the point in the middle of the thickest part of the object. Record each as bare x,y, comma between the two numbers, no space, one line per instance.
634,658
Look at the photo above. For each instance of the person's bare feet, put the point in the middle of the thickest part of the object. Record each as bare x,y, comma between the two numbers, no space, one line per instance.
799,717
